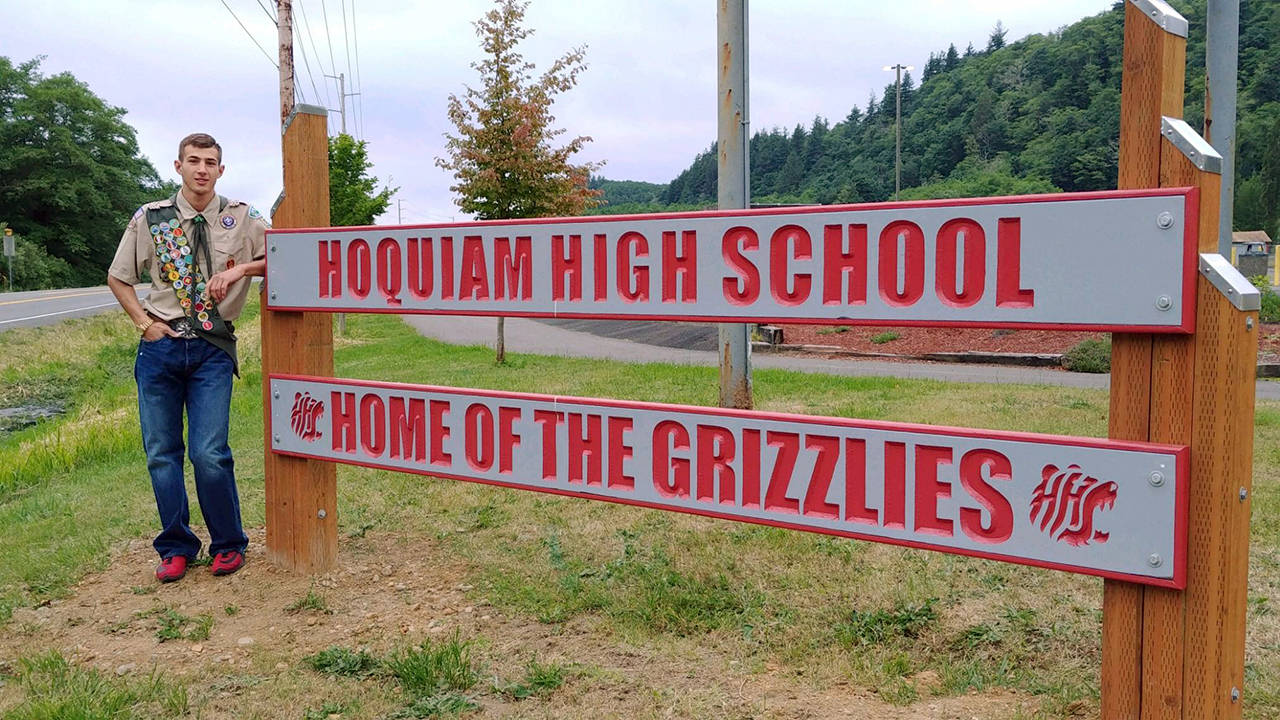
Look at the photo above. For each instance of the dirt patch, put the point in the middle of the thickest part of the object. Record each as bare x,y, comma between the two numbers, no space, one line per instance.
251,663
919,340
1269,343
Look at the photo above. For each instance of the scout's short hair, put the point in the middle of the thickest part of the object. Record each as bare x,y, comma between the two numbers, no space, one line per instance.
200,140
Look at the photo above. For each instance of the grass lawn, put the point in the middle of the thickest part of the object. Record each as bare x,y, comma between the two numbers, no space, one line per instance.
725,616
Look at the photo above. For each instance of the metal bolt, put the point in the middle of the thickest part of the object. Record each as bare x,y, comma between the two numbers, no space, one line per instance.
1156,479
1244,494
276,394
273,248
1235,694
321,513
277,438
1248,323
1164,302
1155,560
1164,220
273,294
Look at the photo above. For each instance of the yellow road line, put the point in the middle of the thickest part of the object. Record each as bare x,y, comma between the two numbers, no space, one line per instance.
54,297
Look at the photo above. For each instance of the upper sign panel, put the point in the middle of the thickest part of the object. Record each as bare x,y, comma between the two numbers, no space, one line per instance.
1115,261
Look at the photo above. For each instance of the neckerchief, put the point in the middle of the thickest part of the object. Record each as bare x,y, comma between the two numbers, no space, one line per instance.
180,258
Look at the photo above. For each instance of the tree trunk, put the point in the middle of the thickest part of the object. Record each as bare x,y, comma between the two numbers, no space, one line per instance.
501,346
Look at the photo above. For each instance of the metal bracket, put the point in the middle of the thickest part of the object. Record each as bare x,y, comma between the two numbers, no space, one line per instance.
1197,149
1224,276
305,109
1163,15
276,206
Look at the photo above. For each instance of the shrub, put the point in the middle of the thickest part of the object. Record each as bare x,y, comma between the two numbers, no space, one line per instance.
885,337
1270,312
1092,356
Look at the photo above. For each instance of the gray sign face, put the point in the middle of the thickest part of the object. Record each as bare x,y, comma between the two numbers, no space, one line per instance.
1105,261
1083,505
8,246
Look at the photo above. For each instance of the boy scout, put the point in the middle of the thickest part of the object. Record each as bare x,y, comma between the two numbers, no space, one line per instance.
199,249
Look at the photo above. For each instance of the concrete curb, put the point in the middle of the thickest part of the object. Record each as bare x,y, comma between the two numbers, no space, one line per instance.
983,358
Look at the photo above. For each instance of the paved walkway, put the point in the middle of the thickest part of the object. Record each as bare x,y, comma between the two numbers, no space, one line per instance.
567,338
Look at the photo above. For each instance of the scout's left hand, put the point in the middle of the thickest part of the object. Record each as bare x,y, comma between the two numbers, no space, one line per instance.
220,283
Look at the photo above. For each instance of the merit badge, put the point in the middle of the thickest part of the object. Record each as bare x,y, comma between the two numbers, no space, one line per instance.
155,229
186,302
207,325
203,315
164,226
228,222
177,232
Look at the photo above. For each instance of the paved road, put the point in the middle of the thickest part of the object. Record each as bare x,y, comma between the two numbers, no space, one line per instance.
557,338
44,307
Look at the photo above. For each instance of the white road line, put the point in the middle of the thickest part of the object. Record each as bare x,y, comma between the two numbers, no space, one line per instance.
60,312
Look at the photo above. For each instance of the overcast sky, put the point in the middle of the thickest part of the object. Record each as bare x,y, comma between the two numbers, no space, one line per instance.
648,97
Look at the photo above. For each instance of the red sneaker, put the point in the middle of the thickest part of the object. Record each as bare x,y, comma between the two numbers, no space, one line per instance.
171,569
225,563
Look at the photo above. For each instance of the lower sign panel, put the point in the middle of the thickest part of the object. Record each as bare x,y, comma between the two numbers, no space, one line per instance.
1082,505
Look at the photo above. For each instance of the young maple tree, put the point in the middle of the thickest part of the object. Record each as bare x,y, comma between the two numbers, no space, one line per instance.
502,155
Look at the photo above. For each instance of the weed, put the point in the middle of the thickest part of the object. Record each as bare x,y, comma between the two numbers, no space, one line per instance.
885,337
143,589
312,601
429,669
1090,356
360,530
231,610
176,626
325,711
340,661
540,680
1270,311
870,627
483,517
833,330
54,688
442,705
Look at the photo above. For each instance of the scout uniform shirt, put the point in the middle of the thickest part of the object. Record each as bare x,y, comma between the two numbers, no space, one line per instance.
237,235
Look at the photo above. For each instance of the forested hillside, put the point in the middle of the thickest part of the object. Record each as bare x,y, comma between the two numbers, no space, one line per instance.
1036,115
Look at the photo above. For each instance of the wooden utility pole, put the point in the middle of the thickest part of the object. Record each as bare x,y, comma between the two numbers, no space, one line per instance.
734,184
301,495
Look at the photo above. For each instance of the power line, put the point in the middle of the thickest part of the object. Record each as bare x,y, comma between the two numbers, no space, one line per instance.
270,17
319,62
328,38
246,32
346,49
355,39
307,64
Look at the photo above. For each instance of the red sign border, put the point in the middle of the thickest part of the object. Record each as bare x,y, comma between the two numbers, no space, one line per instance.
1180,452
1190,241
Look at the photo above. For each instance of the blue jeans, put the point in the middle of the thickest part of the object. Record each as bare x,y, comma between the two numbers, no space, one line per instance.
177,373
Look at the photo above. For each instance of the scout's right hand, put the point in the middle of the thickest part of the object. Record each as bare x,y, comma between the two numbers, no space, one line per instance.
158,330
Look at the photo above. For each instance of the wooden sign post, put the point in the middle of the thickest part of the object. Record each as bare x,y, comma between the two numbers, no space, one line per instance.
1180,654
301,495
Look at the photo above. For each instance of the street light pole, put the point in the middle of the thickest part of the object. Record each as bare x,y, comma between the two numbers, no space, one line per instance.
897,127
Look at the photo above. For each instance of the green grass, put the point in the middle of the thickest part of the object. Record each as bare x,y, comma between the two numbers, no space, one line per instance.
311,602
176,626
74,489
341,661
54,689
884,337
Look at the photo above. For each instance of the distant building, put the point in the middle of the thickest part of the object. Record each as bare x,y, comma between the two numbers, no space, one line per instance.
1251,240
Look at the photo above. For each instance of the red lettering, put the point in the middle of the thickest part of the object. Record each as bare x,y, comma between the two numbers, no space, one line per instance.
373,425
550,420
1009,290
715,461
784,466
855,483
421,268
750,468
586,449
996,467
474,283
330,268
895,484
563,265
840,262
600,258
912,258
684,264
620,451
508,438
343,425
670,474
513,270
389,273
446,268
439,433
789,242
929,489
359,268
408,428
478,437
744,289
948,267
824,468
633,283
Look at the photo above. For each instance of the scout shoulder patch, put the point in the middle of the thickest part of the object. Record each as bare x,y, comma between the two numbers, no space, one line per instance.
228,221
